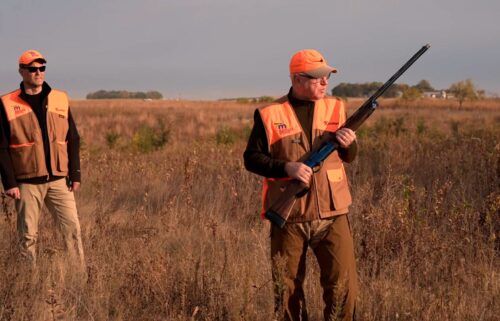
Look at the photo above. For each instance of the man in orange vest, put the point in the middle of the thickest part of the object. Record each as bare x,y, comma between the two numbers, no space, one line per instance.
283,133
39,157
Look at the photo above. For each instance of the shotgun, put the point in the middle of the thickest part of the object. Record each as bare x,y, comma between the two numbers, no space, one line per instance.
279,211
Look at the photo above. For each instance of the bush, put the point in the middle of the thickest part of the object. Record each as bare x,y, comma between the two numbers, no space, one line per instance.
226,136
411,94
112,138
229,136
147,139
392,127
421,126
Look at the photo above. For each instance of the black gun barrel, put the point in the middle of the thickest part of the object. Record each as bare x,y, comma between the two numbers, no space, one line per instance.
401,71
362,113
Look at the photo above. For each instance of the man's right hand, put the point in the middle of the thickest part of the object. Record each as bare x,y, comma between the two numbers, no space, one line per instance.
299,171
14,193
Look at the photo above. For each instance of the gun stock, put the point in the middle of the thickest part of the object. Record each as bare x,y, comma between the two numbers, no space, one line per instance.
280,210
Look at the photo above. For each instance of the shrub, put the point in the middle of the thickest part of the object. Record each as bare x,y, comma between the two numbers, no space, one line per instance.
147,139
112,138
226,136
411,94
421,126
393,127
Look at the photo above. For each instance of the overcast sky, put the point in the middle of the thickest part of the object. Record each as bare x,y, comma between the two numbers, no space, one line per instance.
209,49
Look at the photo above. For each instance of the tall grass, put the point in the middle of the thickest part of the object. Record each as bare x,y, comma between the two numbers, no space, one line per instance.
173,232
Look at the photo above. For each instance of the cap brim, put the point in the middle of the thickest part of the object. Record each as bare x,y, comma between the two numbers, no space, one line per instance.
321,72
40,60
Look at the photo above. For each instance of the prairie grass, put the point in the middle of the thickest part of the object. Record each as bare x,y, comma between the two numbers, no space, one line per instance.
173,232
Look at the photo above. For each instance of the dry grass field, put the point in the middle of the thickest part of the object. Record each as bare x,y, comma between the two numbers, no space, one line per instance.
171,227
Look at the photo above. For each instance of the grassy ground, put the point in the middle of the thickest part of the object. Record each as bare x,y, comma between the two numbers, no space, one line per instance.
171,229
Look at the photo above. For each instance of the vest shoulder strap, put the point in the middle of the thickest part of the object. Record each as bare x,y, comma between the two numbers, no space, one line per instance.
58,102
329,114
280,121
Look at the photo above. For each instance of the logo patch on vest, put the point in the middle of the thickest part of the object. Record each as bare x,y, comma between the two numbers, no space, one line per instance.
283,128
280,126
18,109
331,126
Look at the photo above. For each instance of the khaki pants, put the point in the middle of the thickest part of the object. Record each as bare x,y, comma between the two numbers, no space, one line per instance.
61,203
331,241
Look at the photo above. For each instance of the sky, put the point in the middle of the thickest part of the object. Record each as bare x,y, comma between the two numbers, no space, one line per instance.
211,49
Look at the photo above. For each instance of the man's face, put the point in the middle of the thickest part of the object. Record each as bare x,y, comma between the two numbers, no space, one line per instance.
32,75
306,88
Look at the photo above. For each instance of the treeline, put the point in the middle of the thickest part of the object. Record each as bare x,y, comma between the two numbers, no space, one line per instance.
124,94
367,89
243,100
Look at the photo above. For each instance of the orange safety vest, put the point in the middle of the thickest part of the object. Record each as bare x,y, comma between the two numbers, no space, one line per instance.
329,192
26,141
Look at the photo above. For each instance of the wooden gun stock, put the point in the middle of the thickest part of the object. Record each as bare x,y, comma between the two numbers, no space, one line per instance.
279,211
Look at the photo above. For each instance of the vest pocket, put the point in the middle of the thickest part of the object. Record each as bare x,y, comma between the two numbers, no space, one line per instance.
340,197
23,159
62,156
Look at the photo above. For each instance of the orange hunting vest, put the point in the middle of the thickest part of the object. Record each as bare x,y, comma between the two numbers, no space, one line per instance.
329,192
26,142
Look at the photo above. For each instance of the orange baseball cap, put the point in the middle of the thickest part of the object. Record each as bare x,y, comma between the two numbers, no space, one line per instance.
29,56
310,62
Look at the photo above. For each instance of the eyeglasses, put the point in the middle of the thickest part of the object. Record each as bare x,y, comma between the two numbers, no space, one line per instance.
315,80
34,69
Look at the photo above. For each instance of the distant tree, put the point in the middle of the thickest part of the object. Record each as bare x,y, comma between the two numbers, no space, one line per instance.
154,95
347,90
411,93
423,86
370,88
464,90
365,90
393,91
100,94
139,95
124,94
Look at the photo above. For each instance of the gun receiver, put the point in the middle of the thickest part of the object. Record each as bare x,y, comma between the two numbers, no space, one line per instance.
279,211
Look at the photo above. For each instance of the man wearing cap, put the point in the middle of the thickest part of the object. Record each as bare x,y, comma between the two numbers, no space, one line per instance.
39,157
283,134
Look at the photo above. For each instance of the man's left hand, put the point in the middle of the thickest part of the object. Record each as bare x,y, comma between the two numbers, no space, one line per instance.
345,136
75,186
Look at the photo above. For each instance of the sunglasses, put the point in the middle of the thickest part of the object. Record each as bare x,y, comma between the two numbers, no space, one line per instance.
34,69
